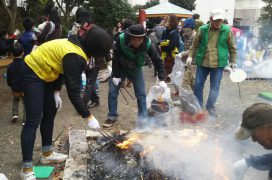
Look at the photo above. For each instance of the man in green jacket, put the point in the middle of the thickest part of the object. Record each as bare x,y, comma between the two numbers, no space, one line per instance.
212,48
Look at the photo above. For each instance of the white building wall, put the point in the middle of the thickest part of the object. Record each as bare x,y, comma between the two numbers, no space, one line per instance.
248,11
204,7
249,4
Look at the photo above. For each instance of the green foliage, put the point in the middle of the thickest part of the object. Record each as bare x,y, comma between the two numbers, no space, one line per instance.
38,8
106,13
186,4
147,5
265,20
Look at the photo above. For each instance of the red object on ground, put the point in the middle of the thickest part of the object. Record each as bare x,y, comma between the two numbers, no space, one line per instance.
193,118
236,31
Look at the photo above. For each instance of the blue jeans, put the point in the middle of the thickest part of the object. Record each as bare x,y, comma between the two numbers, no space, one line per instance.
137,79
215,79
40,110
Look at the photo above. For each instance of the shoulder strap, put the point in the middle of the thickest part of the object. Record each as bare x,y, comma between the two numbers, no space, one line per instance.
148,44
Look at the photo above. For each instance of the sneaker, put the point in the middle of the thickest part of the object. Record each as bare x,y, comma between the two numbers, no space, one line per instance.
108,123
94,104
27,176
212,112
54,158
14,119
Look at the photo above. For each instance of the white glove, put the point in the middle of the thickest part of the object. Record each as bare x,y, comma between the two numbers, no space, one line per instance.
163,85
116,81
233,66
179,56
239,169
58,100
228,69
189,61
93,123
109,69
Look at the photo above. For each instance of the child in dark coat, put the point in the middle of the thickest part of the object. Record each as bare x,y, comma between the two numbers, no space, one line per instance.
13,80
28,38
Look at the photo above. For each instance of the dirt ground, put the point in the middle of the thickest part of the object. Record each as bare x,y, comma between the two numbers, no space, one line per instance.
229,107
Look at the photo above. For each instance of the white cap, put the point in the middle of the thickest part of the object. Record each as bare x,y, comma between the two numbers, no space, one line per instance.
217,14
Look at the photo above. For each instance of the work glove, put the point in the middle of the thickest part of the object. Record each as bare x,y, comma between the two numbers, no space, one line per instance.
58,100
163,85
233,66
116,81
189,61
92,122
229,69
179,56
239,169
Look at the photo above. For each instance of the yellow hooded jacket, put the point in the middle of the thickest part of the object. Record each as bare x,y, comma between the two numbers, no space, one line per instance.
46,60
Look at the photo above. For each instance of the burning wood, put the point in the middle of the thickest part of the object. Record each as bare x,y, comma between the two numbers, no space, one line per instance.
162,154
129,142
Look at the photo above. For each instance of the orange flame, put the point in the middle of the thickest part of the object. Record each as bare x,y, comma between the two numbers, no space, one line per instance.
194,138
219,171
146,151
127,143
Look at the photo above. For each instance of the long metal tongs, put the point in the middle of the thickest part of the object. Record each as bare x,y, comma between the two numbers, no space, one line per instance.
128,92
107,136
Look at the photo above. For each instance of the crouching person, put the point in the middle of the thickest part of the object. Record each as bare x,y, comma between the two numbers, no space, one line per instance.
257,124
130,51
42,75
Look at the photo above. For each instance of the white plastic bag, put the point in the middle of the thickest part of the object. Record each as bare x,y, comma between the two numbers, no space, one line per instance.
177,72
156,93
3,177
189,102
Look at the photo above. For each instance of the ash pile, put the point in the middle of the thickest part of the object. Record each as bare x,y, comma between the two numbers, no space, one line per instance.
120,157
162,154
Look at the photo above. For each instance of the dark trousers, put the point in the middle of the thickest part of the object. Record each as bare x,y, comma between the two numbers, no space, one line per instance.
90,89
138,82
15,106
40,110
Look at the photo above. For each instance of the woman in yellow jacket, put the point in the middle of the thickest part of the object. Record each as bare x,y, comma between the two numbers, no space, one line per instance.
169,44
41,77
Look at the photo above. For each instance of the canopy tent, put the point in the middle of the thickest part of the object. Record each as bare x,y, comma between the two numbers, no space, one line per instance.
236,31
167,8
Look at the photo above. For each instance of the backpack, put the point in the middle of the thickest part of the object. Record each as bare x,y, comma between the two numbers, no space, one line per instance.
181,44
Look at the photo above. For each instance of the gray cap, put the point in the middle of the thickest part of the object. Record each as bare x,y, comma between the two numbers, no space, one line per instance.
136,30
254,116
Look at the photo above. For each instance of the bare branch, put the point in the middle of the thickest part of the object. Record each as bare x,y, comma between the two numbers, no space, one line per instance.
60,6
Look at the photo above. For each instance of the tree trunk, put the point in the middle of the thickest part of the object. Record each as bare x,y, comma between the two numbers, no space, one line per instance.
11,12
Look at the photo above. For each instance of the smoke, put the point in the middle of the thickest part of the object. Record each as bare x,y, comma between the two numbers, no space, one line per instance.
263,70
190,153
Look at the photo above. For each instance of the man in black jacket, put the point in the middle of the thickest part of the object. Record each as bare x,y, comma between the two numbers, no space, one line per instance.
130,53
